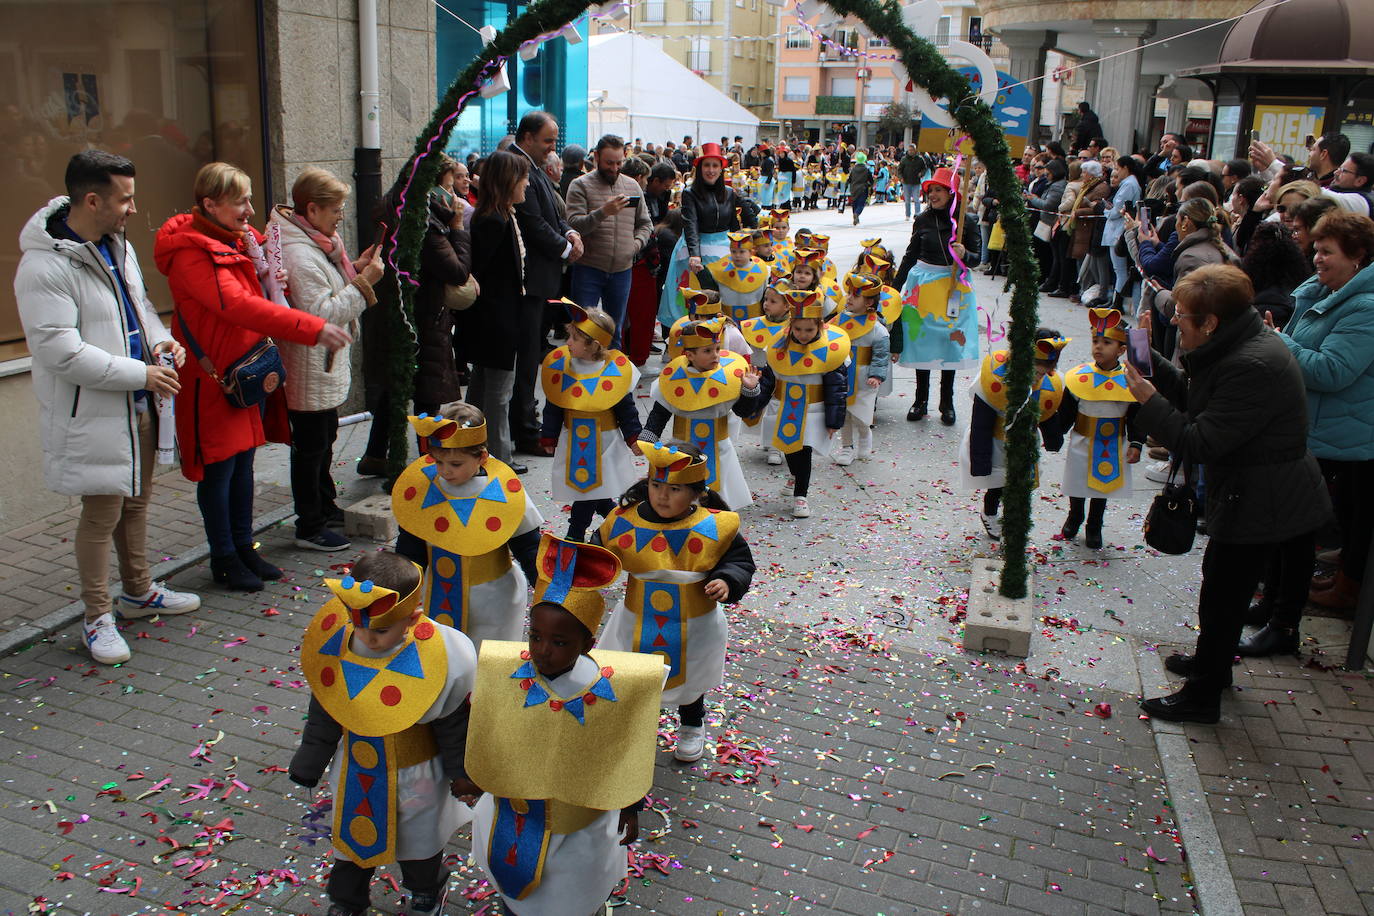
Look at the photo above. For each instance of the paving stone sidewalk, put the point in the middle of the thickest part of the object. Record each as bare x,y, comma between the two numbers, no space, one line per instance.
851,779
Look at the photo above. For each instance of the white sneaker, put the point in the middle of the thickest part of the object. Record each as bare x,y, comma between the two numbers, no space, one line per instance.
157,600
800,509
789,485
1089,294
844,456
863,448
691,743
774,456
103,639
992,525
1158,472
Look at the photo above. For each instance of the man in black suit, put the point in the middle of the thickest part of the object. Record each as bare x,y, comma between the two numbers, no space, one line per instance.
550,244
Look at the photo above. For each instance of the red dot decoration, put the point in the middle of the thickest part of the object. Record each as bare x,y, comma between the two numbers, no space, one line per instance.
391,695
514,485
524,655
493,524
739,373
589,699
695,545
527,683
328,623
607,671
808,361
327,676
1109,386
1000,357
713,391
667,370
555,705
424,630
441,524
556,378
626,540
620,360
834,346
659,543
996,386
679,391
607,385
1082,378
410,493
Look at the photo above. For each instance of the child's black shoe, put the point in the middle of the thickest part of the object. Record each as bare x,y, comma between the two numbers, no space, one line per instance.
231,572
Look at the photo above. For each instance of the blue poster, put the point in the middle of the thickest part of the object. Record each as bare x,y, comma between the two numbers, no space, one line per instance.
1012,108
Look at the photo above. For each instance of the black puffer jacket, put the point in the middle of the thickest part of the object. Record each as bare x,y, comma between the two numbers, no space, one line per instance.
705,213
1239,408
445,260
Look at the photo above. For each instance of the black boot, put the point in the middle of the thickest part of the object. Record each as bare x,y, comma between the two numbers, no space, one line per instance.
947,415
1074,521
1180,707
1180,665
1260,613
231,572
917,411
257,565
1092,534
1269,640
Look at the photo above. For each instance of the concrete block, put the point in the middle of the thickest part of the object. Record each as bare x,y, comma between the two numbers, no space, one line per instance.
996,623
371,518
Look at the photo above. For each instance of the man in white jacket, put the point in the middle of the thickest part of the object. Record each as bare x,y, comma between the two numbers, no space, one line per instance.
95,340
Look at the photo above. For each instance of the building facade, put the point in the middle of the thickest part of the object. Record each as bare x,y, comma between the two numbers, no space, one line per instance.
729,43
834,81
272,86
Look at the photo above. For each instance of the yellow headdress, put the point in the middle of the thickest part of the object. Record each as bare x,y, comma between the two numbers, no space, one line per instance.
698,302
863,284
867,244
373,607
695,334
668,465
571,575
583,323
804,303
811,257
803,237
765,222
780,217
743,238
438,432
1048,348
820,240
1107,322
762,237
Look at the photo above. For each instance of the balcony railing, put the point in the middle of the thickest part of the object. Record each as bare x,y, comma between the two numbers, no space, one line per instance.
835,105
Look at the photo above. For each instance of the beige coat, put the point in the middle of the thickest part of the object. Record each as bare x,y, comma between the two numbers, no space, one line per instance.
609,243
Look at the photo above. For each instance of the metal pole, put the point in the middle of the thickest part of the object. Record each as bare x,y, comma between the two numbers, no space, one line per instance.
367,156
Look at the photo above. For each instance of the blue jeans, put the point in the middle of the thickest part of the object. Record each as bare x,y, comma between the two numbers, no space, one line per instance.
910,198
490,391
591,287
226,503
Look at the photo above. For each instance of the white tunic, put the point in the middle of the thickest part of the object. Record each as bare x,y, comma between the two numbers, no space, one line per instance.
703,640
1077,453
496,609
617,470
730,482
427,814
580,868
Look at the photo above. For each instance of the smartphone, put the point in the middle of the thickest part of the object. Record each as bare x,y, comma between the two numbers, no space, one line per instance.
1143,215
1138,351
1254,136
1308,141
632,201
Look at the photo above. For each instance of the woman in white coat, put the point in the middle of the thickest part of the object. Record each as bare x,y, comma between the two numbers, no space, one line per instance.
320,279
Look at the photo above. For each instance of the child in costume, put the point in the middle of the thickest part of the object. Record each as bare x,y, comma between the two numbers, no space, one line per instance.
699,391
683,553
807,267
562,745
389,707
739,277
868,366
467,520
806,374
763,248
982,454
1099,413
590,413
766,330
703,305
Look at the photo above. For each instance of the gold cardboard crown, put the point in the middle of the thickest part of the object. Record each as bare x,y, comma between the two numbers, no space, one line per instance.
804,303
1047,348
583,323
863,284
811,257
695,334
1107,322
571,575
668,465
438,432
743,238
373,607
698,302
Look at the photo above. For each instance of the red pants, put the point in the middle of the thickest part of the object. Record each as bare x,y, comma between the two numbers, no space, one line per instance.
641,314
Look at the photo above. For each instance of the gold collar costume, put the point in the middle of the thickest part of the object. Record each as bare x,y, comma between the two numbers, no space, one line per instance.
378,702
466,535
992,387
694,544
685,391
791,362
763,331
741,288
587,402
1105,434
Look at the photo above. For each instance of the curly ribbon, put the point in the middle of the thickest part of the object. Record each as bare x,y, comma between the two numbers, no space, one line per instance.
957,230
987,320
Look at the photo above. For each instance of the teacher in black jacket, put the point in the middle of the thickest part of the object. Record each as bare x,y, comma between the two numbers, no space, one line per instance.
489,331
1237,408
550,243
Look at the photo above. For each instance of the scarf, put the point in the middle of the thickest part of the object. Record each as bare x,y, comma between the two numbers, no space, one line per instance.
331,245
1077,202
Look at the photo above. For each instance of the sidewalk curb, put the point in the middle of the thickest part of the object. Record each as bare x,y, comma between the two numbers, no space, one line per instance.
27,634
1216,888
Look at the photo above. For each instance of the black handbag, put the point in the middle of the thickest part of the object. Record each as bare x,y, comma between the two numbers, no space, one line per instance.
249,379
1171,522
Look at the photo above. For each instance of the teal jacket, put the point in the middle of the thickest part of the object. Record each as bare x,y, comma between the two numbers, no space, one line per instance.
1331,334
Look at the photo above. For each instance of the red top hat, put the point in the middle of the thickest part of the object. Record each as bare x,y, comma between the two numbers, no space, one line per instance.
945,178
710,151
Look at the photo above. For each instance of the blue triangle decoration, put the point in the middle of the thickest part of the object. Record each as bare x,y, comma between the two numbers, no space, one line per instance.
602,689
576,708
676,537
433,496
357,677
558,363
719,375
707,528
611,370
493,492
679,375
568,381
407,662
795,356
696,383
524,671
535,695
620,526
334,644
463,507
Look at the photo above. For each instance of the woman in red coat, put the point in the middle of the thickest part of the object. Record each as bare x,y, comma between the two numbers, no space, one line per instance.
213,261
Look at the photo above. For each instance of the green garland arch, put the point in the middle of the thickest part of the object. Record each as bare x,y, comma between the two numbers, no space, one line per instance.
926,67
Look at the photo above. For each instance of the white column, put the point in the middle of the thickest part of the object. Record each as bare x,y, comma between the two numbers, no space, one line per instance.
1117,96
1177,117
1027,48
1145,108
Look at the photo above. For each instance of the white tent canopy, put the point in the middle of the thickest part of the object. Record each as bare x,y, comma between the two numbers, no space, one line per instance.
637,90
